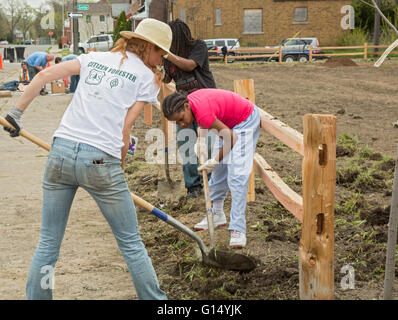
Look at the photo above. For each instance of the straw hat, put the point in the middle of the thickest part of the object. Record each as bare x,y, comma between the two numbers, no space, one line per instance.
153,31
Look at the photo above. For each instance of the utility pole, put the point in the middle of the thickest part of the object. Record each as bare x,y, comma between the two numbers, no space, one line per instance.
63,18
75,30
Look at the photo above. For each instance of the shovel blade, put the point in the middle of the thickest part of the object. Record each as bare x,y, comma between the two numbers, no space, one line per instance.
169,192
230,261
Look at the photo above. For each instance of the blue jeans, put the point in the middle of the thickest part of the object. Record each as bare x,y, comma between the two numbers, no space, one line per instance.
233,172
11,86
69,166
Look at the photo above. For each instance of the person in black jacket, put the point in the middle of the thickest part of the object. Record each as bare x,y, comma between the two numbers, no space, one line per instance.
190,70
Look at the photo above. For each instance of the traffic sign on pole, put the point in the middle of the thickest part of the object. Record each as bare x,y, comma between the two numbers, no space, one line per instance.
83,7
75,15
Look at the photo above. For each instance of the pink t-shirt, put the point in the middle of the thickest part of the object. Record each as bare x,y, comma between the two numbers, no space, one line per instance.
208,105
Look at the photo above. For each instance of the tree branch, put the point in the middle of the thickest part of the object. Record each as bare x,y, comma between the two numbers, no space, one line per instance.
384,17
376,7
366,3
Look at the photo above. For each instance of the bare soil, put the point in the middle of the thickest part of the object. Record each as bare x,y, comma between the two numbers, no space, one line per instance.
363,98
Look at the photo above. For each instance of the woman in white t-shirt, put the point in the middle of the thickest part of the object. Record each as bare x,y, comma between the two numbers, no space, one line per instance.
90,146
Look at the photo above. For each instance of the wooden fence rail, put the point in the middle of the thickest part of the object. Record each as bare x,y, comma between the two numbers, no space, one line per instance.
260,52
365,51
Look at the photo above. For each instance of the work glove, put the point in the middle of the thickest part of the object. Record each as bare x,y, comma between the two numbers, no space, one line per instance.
209,165
14,118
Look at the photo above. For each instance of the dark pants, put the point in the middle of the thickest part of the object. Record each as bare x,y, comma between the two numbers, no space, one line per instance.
192,177
74,80
32,72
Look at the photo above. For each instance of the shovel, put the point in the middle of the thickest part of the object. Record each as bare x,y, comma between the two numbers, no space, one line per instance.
215,258
209,209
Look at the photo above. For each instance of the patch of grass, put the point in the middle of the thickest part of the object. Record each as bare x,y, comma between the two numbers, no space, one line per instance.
347,175
136,166
346,145
295,180
354,37
365,152
352,206
365,181
180,245
386,164
63,52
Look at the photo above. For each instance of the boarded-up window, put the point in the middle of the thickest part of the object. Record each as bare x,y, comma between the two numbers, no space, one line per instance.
218,16
183,16
300,14
253,20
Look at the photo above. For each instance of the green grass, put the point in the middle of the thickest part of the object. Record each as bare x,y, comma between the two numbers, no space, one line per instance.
63,52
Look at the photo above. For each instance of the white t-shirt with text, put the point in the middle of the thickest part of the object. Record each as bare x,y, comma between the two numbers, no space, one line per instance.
96,114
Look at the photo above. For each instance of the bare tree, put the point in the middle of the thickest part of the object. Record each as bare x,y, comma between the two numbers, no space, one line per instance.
28,15
3,25
374,5
13,10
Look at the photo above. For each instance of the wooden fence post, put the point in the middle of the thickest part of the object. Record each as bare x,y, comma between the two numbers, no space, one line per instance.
365,52
167,126
389,274
148,114
316,252
280,54
245,88
5,94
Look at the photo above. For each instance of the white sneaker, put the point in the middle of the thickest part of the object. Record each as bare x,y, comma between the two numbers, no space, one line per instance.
238,239
219,220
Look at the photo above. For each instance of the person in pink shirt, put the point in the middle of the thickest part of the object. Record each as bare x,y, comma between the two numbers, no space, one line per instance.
237,123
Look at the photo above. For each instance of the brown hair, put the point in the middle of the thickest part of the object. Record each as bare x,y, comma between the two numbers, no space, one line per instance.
140,48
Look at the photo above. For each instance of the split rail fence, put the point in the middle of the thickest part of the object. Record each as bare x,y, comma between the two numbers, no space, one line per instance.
315,208
264,53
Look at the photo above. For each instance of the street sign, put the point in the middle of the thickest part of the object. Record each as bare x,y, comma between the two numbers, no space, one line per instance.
83,7
75,15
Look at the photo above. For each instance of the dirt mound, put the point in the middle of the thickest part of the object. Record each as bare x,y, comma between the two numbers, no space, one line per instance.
339,62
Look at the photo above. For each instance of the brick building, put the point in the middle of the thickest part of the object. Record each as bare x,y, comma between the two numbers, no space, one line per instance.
262,22
156,9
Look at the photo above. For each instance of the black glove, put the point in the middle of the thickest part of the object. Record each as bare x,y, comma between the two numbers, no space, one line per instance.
14,118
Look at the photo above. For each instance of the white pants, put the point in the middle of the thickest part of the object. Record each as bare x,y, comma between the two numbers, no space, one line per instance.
233,172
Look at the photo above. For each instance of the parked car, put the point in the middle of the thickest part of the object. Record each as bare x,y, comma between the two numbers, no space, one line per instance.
28,41
217,44
297,49
3,42
101,42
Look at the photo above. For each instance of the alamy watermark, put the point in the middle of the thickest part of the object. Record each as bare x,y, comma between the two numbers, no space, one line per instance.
348,281
348,20
48,21
212,141
48,280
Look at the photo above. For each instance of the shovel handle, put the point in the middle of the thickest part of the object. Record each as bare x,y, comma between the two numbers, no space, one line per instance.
137,200
209,209
169,220
27,135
